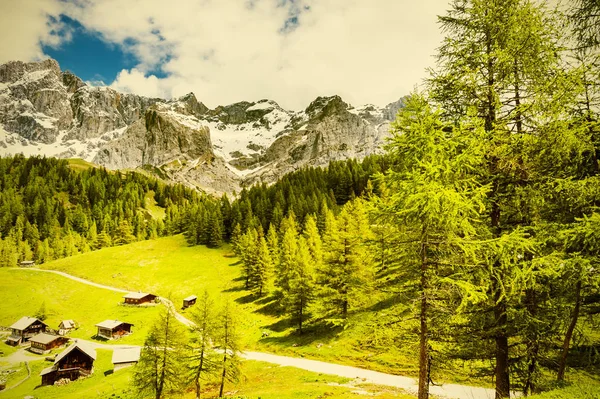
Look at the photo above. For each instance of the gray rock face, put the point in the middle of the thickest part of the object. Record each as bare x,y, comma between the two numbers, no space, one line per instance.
33,100
46,111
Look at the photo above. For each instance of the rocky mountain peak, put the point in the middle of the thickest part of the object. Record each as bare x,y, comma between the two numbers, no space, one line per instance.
46,111
72,82
323,106
189,105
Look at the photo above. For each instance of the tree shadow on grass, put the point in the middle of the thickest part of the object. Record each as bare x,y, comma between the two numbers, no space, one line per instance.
271,307
386,303
243,300
311,333
239,262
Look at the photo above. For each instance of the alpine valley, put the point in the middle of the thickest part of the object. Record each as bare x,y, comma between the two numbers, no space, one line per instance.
47,111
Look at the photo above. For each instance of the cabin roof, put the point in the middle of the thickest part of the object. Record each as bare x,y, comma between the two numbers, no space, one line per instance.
25,322
67,324
126,355
27,262
48,370
84,347
111,324
190,298
43,338
137,295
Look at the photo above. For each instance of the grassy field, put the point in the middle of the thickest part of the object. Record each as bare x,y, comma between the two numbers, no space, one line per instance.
168,267
259,380
24,292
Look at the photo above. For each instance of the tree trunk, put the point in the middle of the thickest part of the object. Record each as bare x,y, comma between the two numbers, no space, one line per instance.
423,333
223,375
562,364
502,375
532,344
301,315
198,371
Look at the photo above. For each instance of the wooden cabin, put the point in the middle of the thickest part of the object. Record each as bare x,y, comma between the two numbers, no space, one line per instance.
111,329
27,263
66,326
74,362
125,357
189,301
24,329
43,343
137,298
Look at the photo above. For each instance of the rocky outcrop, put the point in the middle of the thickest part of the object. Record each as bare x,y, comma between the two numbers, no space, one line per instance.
46,111
33,100
157,139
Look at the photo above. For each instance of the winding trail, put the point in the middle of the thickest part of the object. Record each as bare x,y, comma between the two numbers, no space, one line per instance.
450,391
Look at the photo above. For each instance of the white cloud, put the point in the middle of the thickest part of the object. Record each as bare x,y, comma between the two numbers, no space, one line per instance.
231,50
26,25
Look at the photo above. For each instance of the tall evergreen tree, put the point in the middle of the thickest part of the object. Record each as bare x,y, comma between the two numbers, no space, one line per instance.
159,370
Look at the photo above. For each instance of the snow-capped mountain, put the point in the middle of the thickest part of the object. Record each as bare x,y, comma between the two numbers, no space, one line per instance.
44,111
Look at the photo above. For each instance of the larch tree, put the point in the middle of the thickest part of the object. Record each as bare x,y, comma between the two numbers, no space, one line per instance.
347,270
159,370
434,195
203,361
228,341
300,293
499,59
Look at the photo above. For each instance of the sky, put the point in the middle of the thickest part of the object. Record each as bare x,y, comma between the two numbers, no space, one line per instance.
290,51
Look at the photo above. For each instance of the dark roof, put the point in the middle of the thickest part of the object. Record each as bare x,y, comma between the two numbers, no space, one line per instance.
25,322
111,324
85,348
43,338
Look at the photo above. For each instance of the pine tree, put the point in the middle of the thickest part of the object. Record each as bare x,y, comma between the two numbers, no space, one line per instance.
288,253
299,296
263,269
313,242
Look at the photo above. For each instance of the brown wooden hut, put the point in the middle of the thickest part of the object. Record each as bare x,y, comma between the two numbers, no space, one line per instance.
43,343
27,263
66,326
74,362
24,329
137,298
111,329
189,301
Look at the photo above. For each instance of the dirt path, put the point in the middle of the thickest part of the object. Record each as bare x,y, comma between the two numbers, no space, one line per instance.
22,355
450,391
23,380
79,279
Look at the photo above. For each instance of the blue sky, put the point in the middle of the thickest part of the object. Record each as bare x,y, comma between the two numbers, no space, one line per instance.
290,51
88,56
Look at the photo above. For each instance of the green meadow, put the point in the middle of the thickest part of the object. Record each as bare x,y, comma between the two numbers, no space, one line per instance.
169,267
23,292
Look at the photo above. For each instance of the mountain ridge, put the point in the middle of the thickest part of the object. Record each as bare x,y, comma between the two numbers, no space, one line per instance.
47,111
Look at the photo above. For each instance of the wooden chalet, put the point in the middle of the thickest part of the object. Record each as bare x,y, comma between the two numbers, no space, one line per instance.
24,329
189,301
27,263
43,343
110,329
74,362
125,357
137,298
66,326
